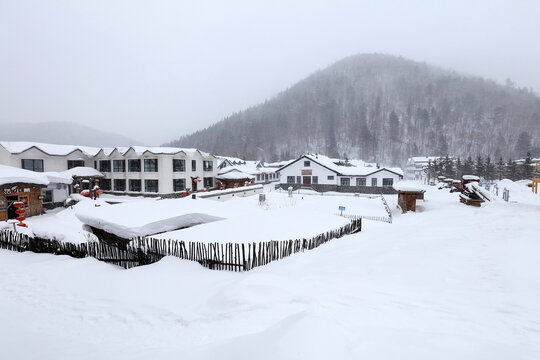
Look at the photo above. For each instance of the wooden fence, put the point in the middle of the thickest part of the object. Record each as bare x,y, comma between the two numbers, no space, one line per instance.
386,219
142,251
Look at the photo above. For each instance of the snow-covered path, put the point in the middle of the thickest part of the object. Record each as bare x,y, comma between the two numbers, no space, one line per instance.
450,282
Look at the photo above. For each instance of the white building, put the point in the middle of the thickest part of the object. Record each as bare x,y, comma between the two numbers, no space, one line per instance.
260,172
416,166
323,173
133,170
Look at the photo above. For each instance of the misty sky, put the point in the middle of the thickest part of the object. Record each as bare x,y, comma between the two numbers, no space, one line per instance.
155,70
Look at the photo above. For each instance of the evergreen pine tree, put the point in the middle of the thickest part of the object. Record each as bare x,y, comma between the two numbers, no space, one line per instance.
459,169
479,166
448,167
489,169
526,170
511,170
501,168
468,166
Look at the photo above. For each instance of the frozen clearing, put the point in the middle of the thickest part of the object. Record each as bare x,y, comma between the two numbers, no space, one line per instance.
449,282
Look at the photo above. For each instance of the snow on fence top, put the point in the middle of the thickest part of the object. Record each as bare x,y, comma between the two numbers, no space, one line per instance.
142,218
12,175
408,186
229,191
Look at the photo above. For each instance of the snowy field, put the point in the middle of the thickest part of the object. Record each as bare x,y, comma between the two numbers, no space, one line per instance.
240,219
448,282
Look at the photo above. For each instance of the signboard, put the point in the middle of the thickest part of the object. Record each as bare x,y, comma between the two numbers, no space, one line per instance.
307,172
341,208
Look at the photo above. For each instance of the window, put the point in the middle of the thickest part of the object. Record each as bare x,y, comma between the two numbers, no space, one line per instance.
150,165
208,165
258,177
208,182
290,179
95,164
179,184
298,179
105,165
105,184
307,163
374,182
179,165
361,182
193,165
47,196
119,165
135,185
75,163
32,164
134,165
330,177
119,185
314,179
151,186
387,182
345,182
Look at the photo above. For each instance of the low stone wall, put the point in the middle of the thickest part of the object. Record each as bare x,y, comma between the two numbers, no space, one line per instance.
343,189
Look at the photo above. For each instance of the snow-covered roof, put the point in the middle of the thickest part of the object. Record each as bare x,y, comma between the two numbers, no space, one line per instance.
13,175
17,147
82,171
58,177
234,174
347,170
142,218
470,177
409,186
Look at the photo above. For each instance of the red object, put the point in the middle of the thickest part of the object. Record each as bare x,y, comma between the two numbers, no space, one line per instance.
199,180
204,190
18,204
20,211
21,218
220,188
99,192
22,224
85,193
185,193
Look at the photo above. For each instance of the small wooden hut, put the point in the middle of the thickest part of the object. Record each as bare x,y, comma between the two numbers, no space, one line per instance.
408,193
234,178
19,185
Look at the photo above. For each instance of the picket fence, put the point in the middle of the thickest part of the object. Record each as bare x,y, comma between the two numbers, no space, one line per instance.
143,251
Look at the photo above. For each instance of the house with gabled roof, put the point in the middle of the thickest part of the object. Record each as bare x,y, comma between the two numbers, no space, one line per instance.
322,173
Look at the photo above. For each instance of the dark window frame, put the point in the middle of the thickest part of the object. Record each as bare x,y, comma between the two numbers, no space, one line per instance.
103,168
75,163
150,188
307,163
116,168
135,183
131,167
151,165
193,165
32,164
179,165
387,182
177,185
208,165
290,179
345,181
119,181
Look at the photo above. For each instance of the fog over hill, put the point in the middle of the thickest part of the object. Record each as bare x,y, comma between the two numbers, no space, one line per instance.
381,108
58,132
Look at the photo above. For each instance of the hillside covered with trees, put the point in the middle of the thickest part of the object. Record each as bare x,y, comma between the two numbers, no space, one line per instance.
381,108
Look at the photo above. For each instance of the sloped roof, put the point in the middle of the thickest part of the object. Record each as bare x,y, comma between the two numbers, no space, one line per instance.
17,147
13,175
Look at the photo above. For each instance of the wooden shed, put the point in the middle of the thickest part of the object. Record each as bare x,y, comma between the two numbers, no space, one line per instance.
19,185
408,193
234,178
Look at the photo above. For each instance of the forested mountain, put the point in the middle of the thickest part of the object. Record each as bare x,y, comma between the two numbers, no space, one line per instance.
381,108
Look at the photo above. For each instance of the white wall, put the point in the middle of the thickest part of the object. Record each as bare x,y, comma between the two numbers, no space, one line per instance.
317,170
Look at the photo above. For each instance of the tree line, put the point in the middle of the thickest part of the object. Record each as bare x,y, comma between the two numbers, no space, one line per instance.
486,168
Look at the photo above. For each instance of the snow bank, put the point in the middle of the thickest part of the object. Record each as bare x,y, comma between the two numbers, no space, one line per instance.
142,218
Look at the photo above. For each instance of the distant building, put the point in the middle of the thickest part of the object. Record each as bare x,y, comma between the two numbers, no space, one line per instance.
163,171
416,166
322,173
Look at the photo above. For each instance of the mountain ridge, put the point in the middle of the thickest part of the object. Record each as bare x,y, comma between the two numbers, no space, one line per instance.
380,108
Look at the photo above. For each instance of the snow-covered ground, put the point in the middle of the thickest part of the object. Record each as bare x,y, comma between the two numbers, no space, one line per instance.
448,282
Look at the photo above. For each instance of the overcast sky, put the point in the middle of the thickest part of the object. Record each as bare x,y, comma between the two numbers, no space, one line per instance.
155,70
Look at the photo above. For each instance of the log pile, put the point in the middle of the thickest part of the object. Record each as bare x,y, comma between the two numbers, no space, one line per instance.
472,194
